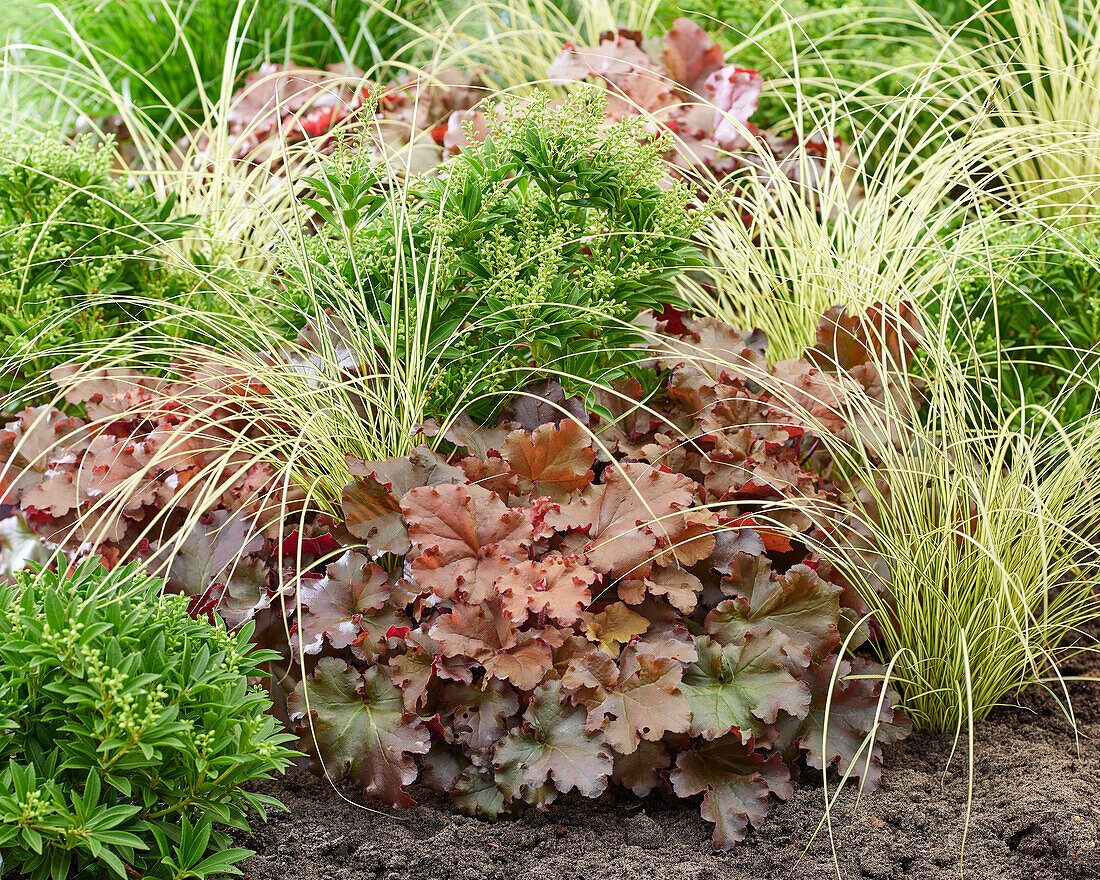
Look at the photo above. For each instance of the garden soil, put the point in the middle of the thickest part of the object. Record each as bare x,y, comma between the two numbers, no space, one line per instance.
1035,814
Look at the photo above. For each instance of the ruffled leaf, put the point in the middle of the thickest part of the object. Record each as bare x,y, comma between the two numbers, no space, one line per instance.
359,723
736,783
553,745
487,635
334,605
798,603
553,461
454,529
742,687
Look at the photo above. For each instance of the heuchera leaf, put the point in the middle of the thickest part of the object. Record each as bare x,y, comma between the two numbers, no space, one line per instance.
334,605
624,516
481,712
690,56
798,603
485,633
735,94
852,714
553,460
613,627
743,687
454,529
245,591
553,745
476,792
643,703
640,771
206,552
371,501
735,781
557,586
359,723
421,664
680,587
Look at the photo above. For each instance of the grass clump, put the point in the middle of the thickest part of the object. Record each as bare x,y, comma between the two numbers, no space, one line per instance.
1030,310
1029,76
967,531
169,57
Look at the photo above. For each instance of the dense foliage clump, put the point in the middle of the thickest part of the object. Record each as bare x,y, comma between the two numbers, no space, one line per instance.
529,254
561,601
79,255
1031,309
127,729
168,58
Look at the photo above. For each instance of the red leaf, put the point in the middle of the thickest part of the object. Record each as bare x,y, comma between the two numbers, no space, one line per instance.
486,634
551,461
334,606
454,530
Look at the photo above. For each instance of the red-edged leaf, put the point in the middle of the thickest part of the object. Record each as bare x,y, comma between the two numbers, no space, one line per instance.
625,516
735,94
644,703
360,724
690,55
557,586
415,670
680,587
487,635
735,782
453,529
798,603
371,501
334,605
554,460
244,592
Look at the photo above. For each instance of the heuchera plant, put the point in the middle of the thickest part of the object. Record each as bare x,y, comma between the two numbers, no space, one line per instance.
279,106
684,83
575,602
127,476
538,621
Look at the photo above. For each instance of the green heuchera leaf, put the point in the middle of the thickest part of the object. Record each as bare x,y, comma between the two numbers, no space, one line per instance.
359,723
742,687
552,745
735,781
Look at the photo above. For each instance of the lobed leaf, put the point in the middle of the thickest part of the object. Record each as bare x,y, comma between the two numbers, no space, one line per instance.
354,724
552,744
454,530
742,688
736,782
